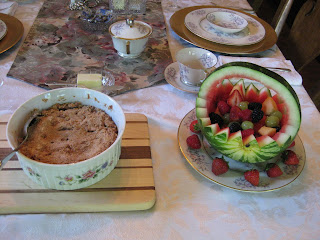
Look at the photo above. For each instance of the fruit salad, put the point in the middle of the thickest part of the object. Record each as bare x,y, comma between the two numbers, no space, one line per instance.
247,112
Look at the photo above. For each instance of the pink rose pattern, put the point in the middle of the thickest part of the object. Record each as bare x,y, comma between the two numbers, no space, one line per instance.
92,173
58,47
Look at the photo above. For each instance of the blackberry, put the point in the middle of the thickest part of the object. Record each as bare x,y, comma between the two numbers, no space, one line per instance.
254,105
216,118
277,128
234,127
257,115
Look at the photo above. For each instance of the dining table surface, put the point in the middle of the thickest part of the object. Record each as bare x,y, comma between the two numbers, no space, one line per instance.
188,205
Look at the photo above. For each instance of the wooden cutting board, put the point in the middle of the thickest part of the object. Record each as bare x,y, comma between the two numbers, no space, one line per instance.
130,186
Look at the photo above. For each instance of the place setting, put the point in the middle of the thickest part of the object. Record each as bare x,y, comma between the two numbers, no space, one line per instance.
223,30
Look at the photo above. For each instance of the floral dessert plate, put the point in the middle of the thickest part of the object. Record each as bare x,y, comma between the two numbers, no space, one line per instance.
3,29
198,24
172,76
201,161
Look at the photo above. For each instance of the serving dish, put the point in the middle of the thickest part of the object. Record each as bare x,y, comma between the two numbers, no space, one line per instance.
198,24
68,176
201,160
177,25
13,34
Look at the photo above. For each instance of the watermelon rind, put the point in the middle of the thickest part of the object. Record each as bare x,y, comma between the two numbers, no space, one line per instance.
258,150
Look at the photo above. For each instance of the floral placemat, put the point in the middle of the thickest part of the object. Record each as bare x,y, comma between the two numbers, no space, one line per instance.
58,47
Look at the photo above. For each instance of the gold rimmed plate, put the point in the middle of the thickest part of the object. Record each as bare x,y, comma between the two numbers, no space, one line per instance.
178,26
197,23
13,34
201,161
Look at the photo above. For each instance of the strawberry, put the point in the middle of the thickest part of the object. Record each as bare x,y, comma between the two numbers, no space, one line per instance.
245,115
235,114
247,132
234,99
292,144
194,127
273,170
252,176
193,141
290,158
223,107
219,166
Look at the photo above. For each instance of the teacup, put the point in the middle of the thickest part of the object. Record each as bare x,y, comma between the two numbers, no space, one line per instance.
130,37
195,65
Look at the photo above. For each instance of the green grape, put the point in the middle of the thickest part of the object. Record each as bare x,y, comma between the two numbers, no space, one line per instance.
246,125
226,118
272,121
243,105
278,114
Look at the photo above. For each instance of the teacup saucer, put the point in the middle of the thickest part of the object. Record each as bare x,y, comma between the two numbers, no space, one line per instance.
172,76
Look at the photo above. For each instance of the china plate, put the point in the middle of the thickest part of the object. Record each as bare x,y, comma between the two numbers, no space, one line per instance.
201,160
3,29
14,32
172,76
177,25
197,23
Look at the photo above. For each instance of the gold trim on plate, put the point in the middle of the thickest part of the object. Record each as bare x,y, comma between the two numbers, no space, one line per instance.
14,32
178,26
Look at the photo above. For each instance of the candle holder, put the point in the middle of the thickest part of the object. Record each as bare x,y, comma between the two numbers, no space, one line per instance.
124,7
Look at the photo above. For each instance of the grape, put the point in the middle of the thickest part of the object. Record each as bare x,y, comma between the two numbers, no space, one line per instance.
246,125
243,105
278,114
272,121
226,118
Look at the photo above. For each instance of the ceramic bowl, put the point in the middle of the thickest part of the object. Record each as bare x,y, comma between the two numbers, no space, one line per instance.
226,21
130,39
76,175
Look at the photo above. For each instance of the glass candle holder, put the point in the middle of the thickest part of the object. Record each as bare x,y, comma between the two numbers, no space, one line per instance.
128,6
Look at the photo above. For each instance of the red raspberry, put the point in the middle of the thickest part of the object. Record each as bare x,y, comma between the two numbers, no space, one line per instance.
219,166
235,114
223,107
194,127
256,128
247,132
273,170
193,141
290,157
252,176
245,115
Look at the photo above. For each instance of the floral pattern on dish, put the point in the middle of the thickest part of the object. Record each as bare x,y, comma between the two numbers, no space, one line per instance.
3,29
197,23
201,160
172,76
78,179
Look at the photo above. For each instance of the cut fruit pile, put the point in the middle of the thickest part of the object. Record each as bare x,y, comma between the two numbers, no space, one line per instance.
243,122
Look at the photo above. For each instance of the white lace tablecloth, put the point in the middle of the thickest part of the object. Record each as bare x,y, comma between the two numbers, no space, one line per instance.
188,206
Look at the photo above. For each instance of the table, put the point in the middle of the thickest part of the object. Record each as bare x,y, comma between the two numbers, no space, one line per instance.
188,206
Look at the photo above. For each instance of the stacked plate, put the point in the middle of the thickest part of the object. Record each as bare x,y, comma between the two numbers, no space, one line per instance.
11,31
223,30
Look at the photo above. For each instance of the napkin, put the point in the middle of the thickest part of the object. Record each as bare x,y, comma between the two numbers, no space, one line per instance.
293,77
8,7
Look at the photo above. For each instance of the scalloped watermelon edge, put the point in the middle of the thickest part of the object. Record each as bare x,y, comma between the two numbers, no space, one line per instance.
269,79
